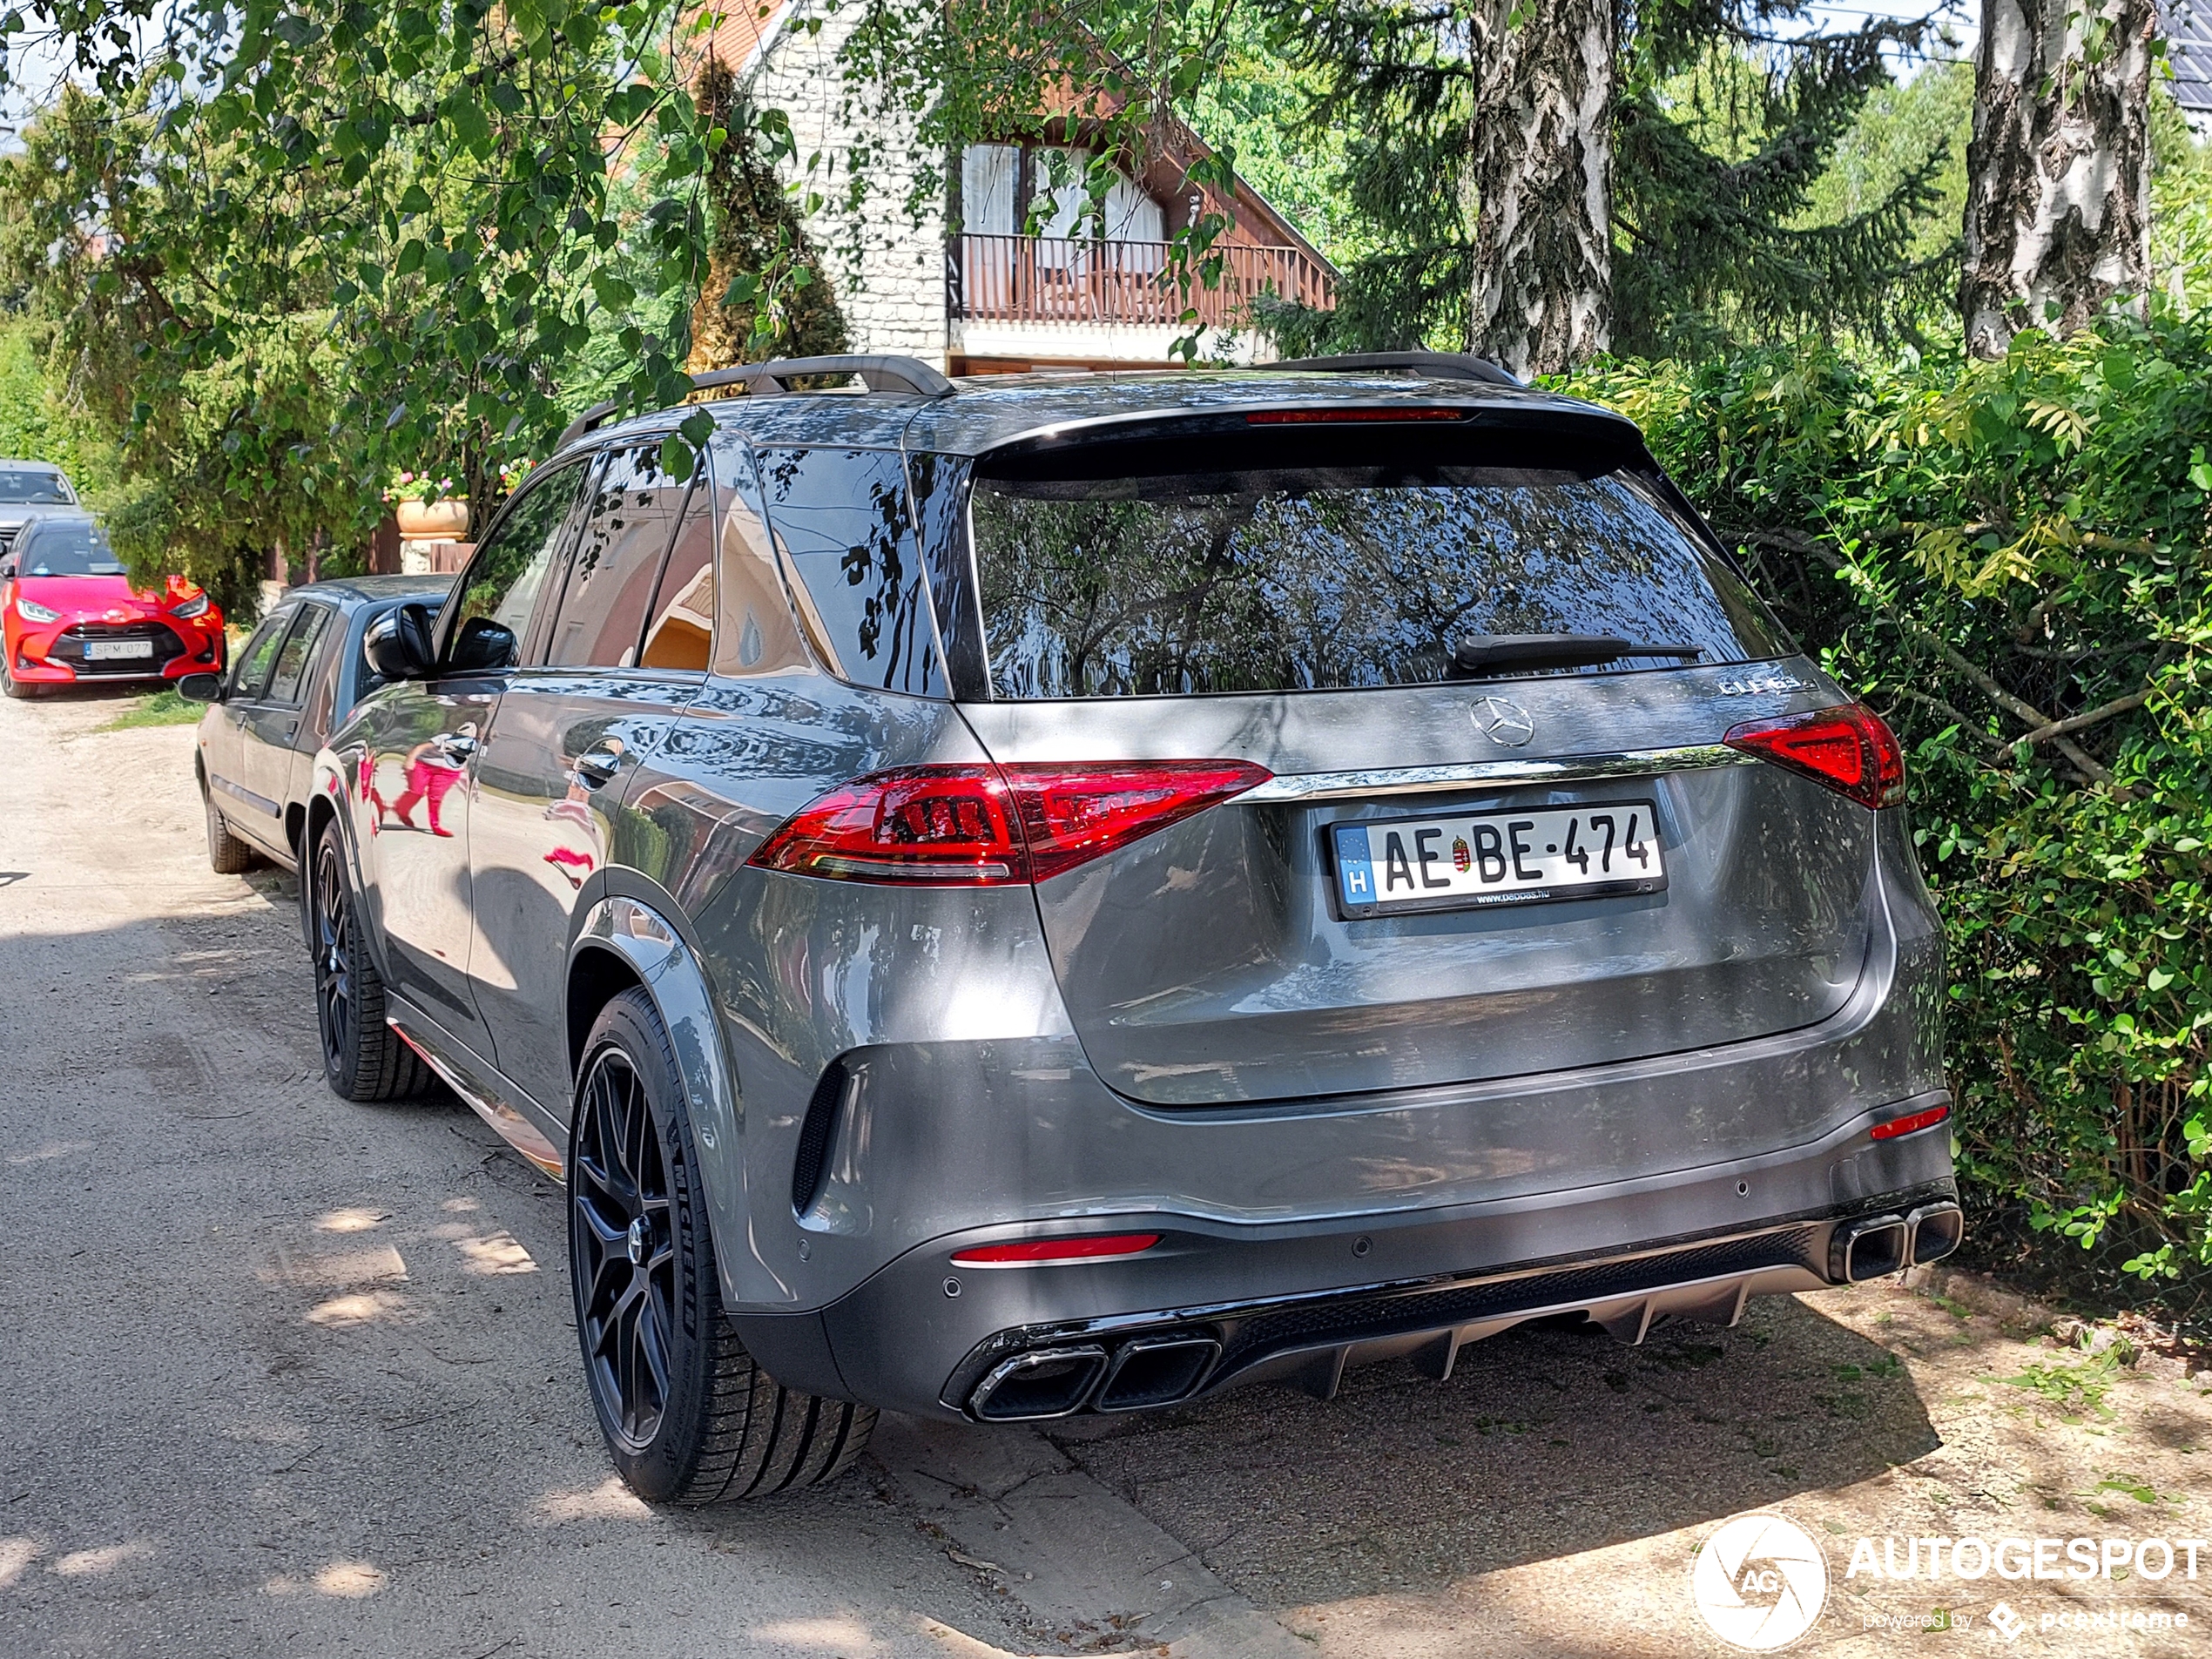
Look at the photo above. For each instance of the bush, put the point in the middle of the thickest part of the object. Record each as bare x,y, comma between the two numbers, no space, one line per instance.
2013,561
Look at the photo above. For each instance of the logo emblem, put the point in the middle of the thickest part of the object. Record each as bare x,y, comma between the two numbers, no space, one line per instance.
1504,723
1763,685
2009,1624
1760,1582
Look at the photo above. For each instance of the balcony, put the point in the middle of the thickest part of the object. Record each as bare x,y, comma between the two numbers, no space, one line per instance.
1048,279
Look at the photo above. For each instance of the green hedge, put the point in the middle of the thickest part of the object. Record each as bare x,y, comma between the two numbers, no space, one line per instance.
2012,561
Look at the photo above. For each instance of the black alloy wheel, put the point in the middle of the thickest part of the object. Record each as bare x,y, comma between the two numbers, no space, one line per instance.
625,1250
362,1057
688,1417
333,952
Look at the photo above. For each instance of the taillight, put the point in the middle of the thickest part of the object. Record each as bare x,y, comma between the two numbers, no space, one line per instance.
947,826
1046,1253
991,826
1849,749
1912,1123
1071,815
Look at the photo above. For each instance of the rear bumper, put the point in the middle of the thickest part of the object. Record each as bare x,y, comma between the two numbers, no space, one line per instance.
1213,1304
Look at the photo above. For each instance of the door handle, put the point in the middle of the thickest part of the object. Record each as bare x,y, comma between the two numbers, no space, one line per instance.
594,766
455,745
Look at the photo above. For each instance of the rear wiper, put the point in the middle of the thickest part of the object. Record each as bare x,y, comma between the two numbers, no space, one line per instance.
1478,656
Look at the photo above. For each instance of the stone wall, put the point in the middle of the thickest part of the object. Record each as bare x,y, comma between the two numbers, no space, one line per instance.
888,269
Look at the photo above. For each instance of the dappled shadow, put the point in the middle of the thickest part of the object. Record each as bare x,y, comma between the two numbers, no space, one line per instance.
1546,1442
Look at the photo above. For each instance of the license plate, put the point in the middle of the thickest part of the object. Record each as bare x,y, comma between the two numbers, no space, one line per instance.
104,650
1463,860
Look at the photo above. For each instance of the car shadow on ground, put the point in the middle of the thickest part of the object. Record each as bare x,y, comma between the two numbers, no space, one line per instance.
1546,1442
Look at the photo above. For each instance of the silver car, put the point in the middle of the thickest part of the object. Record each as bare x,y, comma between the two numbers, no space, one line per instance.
1060,895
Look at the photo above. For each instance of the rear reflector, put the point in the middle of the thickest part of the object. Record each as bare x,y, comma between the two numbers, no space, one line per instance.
986,825
1849,749
1044,1252
1347,417
1911,1123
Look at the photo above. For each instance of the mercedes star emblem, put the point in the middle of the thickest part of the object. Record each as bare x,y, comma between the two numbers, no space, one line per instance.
1504,723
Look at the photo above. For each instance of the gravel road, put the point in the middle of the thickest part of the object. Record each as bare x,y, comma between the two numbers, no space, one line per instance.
286,1375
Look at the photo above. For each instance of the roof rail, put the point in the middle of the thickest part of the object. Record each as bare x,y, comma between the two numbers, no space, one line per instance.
878,372
1442,366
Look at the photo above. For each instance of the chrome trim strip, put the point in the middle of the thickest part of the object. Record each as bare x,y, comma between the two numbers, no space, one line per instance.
477,1093
259,803
1424,780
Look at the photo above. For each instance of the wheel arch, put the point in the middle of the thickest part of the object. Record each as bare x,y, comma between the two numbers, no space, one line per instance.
327,807
622,943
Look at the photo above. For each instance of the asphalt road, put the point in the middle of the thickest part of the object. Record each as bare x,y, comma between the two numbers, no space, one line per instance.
281,1374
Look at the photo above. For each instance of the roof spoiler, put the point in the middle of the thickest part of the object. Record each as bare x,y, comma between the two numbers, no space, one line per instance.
879,373
1435,365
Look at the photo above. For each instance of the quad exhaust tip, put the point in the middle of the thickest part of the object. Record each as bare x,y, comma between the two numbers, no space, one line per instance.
1156,1371
1938,1230
1048,1382
1877,1247
1058,1382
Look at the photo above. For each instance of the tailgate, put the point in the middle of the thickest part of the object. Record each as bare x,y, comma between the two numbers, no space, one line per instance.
1222,960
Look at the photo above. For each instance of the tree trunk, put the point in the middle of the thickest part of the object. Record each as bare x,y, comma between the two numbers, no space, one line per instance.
2058,208
1543,165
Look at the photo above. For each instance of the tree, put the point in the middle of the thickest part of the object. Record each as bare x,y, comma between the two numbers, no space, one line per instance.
2058,213
1542,177
1712,130
303,247
764,296
225,454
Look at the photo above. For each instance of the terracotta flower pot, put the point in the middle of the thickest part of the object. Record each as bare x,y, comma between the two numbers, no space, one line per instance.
445,520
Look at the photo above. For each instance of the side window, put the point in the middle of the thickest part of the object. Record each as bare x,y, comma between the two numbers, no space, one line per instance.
756,632
632,511
502,583
840,517
251,672
679,628
298,651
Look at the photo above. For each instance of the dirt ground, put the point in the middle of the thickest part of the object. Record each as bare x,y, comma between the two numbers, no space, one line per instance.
288,1375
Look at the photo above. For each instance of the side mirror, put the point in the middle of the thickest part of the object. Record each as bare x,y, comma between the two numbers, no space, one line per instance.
200,688
7,569
397,644
483,646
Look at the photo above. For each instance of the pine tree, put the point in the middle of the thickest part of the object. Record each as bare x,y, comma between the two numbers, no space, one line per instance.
764,295
1717,129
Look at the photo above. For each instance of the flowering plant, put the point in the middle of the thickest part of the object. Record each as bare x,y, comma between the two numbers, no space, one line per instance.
417,486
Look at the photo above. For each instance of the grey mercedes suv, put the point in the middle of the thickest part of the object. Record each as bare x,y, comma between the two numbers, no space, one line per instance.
1058,894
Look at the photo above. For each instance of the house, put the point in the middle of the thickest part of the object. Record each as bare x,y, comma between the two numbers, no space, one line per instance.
2187,26
960,286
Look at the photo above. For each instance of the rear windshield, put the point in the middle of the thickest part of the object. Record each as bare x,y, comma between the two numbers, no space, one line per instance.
24,485
1344,570
68,550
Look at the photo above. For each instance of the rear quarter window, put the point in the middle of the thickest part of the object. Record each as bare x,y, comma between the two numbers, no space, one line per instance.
1357,559
843,523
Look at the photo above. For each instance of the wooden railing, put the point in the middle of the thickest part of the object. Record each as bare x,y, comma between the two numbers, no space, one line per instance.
1049,278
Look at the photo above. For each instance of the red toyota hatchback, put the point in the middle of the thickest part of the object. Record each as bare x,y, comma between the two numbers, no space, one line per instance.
69,614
